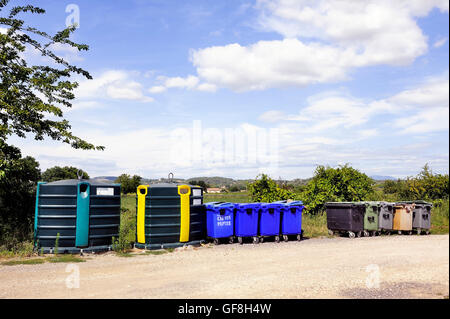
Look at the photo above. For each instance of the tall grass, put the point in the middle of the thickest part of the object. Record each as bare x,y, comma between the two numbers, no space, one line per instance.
127,232
440,217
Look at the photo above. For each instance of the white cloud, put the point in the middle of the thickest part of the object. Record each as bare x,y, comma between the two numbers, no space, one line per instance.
425,121
440,42
113,84
434,92
190,83
157,89
272,116
422,109
320,45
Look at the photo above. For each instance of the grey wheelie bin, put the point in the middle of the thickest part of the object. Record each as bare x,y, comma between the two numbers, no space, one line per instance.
421,219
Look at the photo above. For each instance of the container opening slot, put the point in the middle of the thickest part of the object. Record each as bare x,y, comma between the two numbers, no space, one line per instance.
83,188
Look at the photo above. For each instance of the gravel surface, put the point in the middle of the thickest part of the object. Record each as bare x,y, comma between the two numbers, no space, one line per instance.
408,267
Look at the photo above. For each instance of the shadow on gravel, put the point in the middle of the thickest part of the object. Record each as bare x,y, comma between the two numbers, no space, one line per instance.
403,290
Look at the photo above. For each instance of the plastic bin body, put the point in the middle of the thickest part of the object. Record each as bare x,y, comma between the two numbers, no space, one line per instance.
269,219
219,220
403,217
345,216
246,219
291,217
371,216
422,216
386,216
170,215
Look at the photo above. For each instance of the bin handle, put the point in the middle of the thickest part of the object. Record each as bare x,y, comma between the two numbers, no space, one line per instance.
79,174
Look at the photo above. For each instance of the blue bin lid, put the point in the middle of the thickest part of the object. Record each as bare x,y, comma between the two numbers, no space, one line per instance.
248,205
293,203
219,205
271,205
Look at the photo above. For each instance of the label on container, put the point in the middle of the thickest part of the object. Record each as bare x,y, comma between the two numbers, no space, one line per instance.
196,192
197,201
105,191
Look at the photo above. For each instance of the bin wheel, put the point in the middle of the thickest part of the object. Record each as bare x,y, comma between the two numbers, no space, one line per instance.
216,241
330,232
299,237
399,232
261,240
427,232
410,232
240,240
359,234
388,233
419,231
285,238
374,233
277,239
255,240
366,233
231,240
351,234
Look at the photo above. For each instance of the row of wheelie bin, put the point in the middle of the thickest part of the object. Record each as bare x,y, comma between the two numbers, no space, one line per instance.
257,221
366,219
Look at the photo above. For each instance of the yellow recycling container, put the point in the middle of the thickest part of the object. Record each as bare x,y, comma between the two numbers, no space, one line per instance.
403,217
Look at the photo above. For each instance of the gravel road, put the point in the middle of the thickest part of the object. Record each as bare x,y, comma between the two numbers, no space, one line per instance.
406,266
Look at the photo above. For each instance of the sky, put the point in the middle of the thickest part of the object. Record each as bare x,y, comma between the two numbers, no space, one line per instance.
239,88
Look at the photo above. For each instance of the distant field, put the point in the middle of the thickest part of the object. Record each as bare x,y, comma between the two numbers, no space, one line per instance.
228,197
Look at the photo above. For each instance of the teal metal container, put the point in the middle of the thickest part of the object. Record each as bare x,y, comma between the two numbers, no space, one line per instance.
85,214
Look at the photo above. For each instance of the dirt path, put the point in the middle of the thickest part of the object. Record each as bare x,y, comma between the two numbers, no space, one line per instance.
409,267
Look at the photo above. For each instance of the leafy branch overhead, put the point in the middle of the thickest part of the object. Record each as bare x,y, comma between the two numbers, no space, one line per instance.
31,97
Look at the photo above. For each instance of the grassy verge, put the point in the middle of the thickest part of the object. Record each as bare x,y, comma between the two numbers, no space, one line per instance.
314,225
52,259
33,261
440,217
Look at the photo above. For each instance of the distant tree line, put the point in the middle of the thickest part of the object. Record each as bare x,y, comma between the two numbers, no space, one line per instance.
345,183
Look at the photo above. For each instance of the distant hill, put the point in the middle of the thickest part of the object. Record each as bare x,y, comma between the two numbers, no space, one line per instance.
383,178
109,178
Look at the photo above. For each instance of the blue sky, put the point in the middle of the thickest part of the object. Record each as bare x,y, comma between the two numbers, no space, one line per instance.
276,86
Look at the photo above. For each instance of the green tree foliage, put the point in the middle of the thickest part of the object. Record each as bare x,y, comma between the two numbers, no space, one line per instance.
128,184
202,184
336,184
31,96
17,195
59,173
265,189
426,185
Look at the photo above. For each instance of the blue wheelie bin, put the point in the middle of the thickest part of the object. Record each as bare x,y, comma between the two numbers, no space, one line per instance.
291,219
220,221
246,221
269,221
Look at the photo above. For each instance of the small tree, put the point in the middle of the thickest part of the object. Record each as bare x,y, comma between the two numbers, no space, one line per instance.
57,173
128,184
265,189
336,184
17,195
